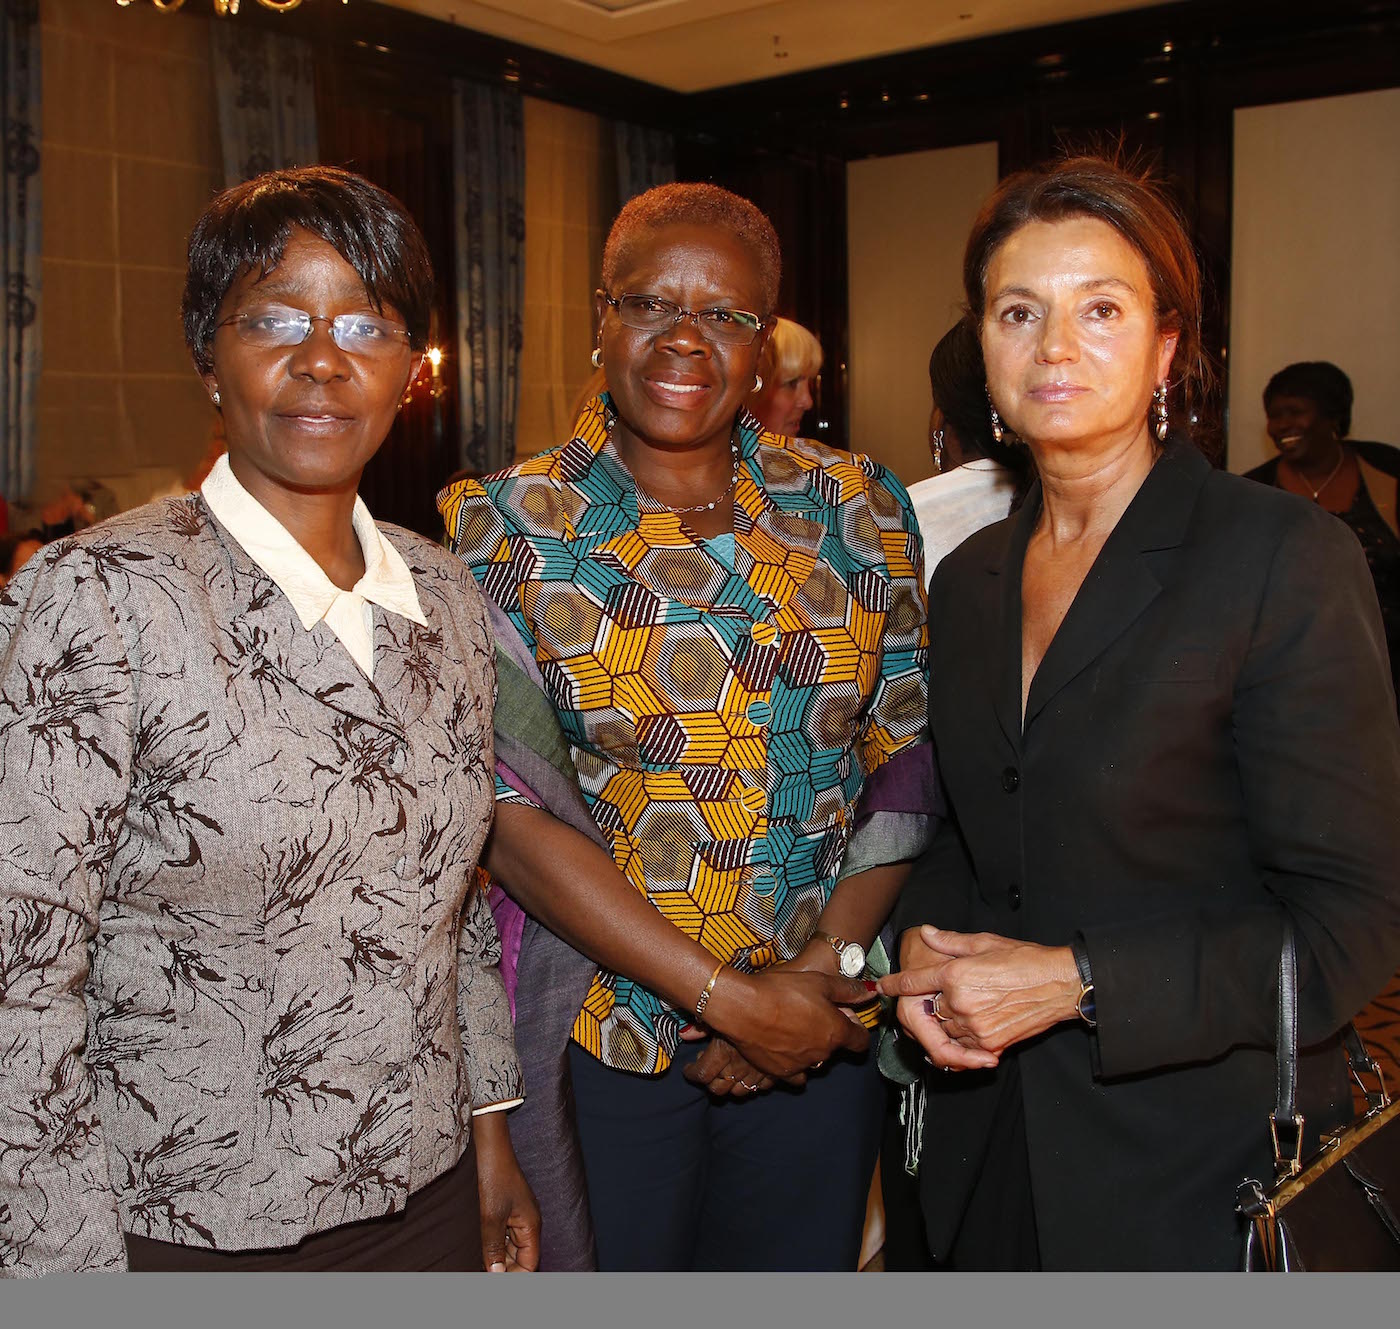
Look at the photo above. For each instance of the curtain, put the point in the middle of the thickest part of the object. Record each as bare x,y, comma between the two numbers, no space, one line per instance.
20,238
488,152
265,85
645,157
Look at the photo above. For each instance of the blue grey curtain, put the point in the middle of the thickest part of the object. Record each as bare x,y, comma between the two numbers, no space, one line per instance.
645,158
265,85
488,149
20,237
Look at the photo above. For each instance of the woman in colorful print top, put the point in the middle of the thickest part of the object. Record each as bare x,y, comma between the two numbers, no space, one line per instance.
730,628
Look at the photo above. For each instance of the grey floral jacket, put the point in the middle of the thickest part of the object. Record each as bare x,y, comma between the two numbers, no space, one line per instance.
247,991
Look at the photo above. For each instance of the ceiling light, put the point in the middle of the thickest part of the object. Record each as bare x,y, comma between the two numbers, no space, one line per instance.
223,8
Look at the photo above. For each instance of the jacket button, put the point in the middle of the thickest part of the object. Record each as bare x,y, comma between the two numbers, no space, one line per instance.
753,799
764,634
1010,779
401,867
1013,896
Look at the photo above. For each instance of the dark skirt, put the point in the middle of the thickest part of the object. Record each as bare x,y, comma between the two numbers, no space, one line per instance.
439,1229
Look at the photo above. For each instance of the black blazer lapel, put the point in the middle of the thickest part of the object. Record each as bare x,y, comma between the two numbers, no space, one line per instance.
1004,567
1122,582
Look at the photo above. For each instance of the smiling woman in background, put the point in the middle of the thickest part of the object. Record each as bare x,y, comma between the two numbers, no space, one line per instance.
249,1002
1308,406
728,628
1164,726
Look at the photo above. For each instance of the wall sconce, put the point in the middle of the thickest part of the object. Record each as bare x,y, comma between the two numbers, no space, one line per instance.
428,381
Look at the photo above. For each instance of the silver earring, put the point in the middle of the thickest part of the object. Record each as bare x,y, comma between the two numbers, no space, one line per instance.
936,440
758,382
1159,412
998,431
596,359
216,396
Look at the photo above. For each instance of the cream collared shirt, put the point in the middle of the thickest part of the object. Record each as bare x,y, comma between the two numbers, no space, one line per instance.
387,581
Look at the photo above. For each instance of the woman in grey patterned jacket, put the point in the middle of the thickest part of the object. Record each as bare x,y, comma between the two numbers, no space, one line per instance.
250,1011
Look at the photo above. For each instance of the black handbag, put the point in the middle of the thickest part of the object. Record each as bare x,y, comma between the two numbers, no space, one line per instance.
1340,1209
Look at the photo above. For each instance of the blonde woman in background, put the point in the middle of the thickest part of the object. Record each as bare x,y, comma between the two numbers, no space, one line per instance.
787,374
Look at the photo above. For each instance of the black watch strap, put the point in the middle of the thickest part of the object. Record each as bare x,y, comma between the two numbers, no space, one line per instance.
1085,1006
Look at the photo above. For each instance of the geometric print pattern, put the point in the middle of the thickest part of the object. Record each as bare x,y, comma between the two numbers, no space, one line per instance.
722,721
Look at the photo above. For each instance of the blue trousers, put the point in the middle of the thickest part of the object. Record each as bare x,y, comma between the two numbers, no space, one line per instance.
679,1180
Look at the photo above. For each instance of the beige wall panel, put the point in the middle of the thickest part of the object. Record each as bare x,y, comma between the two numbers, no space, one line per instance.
87,392
82,70
130,156
907,222
1316,257
165,106
152,337
171,420
566,173
157,205
82,425
79,203
81,324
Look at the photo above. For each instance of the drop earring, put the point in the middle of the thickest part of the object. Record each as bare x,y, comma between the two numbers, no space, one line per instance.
596,359
758,382
216,396
936,443
1159,412
998,429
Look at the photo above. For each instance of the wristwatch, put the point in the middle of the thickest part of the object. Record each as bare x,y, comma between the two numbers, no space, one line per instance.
1085,1007
850,955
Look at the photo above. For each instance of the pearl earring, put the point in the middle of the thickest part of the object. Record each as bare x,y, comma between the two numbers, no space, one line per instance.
596,359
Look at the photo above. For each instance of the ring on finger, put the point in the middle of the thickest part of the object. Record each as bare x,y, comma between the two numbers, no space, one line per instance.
936,1009
752,1088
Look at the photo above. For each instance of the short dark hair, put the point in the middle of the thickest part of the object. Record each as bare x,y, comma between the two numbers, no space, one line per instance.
697,205
1317,380
957,378
1127,199
248,226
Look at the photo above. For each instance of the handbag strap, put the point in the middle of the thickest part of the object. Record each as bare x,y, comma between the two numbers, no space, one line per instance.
1286,1123
1286,1119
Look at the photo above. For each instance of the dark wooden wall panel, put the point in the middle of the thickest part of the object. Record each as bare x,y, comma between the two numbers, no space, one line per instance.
1164,80
401,138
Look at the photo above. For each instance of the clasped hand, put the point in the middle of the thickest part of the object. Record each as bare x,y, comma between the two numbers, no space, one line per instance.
790,1020
967,997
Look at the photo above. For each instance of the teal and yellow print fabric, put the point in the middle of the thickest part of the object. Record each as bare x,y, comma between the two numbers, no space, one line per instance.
722,722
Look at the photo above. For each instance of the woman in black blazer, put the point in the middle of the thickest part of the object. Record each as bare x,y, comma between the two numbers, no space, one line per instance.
1165,725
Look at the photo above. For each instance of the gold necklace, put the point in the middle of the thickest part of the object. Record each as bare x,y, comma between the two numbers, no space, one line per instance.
1331,475
714,502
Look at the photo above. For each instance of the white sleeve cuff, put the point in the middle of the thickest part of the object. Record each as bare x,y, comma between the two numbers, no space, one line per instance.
497,1107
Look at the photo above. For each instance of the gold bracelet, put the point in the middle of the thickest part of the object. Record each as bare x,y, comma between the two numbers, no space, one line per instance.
704,999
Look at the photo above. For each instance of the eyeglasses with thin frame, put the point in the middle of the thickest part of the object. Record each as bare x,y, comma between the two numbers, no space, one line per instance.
277,327
650,313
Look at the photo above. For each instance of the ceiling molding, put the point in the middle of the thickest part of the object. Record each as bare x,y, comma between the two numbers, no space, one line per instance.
686,46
